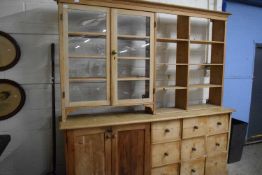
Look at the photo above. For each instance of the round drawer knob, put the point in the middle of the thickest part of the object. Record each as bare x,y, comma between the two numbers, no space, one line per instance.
195,127
193,149
167,130
219,123
165,154
217,144
193,170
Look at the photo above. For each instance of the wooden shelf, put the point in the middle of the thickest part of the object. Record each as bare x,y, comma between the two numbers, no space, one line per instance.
132,78
81,79
166,64
205,42
171,40
204,86
133,37
86,34
86,56
170,87
202,106
133,58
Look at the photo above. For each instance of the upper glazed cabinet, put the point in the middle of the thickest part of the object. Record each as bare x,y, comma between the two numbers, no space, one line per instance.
106,56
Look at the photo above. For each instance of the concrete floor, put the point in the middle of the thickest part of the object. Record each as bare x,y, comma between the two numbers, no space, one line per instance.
251,161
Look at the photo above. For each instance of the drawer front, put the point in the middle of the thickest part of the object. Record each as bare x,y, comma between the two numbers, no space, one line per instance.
166,131
217,144
218,124
193,148
165,153
195,167
217,165
194,127
166,170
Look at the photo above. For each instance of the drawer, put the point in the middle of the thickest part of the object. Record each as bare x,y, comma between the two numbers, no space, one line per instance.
166,131
193,148
195,167
217,144
165,153
166,170
194,127
217,165
218,124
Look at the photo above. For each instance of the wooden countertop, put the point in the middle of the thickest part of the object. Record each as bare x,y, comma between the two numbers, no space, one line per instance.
91,121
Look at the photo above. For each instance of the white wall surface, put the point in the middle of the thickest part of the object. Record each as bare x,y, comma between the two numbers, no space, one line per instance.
33,23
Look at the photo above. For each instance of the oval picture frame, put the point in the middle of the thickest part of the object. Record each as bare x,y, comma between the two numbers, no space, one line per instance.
17,51
22,99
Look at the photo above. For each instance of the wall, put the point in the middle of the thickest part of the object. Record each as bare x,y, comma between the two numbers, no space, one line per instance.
244,30
33,23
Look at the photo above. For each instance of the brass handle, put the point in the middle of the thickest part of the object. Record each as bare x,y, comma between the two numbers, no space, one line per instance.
114,52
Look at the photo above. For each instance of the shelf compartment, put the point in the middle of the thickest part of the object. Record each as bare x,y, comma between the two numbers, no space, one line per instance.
171,40
133,68
166,52
133,78
165,98
84,79
204,86
166,25
133,37
183,27
89,34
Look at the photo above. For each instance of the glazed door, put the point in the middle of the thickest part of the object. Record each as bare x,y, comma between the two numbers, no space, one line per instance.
85,58
132,54
131,150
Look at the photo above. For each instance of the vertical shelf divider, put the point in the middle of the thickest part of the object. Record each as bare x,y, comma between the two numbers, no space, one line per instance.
182,56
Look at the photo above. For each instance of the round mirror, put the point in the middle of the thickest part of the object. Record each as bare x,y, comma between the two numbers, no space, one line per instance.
9,51
12,98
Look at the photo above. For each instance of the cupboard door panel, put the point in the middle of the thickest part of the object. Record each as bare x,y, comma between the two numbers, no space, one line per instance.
88,152
131,150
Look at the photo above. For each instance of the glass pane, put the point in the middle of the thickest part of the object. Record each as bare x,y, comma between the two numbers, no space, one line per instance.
133,25
86,21
84,67
87,91
166,26
200,54
133,68
166,53
199,75
87,46
198,96
199,29
165,98
133,89
166,75
133,48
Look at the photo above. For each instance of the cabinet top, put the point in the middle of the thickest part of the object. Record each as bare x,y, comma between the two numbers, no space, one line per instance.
147,5
103,120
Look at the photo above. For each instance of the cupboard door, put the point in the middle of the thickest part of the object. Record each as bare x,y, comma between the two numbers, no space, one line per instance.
85,56
88,152
131,150
132,57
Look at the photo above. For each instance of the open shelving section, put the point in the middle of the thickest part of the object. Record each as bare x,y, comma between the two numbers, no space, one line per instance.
189,62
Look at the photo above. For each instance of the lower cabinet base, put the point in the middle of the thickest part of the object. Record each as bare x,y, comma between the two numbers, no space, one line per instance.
186,146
